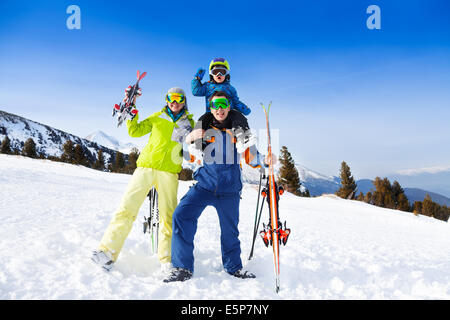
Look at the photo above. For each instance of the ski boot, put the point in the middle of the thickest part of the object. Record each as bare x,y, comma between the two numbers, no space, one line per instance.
103,259
178,274
243,274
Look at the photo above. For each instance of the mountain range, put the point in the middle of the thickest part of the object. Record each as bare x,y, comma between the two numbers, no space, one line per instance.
413,194
49,141
110,142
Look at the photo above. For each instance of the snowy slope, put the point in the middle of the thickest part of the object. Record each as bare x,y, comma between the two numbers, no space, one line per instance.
54,214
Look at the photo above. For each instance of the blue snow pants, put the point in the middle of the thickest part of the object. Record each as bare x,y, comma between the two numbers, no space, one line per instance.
185,218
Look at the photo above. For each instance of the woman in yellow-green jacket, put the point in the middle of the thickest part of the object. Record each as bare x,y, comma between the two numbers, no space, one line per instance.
158,165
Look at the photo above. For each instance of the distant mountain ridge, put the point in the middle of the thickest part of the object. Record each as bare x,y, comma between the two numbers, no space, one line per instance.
315,182
110,142
49,141
435,179
413,194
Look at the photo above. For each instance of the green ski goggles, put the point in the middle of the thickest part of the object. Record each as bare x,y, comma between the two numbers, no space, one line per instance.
219,103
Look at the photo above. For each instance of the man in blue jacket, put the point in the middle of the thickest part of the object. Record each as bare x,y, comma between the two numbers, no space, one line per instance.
219,185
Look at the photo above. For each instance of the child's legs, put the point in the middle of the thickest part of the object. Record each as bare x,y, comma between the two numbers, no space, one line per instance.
122,222
228,211
185,220
167,187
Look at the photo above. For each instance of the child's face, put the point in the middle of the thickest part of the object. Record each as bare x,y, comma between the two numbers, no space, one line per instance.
219,78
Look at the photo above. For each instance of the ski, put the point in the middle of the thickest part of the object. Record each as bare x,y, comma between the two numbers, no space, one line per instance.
272,205
125,108
274,233
151,224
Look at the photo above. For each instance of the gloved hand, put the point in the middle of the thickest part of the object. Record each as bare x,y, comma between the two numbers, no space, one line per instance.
200,73
133,113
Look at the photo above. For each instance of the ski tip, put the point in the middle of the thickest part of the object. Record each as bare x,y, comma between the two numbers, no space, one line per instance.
138,74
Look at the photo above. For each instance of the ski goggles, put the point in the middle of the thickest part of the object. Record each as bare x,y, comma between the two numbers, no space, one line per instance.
218,71
219,103
175,97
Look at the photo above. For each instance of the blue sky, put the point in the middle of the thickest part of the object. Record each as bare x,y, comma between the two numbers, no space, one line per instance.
378,99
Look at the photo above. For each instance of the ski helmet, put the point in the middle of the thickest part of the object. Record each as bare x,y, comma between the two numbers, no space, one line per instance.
219,62
179,91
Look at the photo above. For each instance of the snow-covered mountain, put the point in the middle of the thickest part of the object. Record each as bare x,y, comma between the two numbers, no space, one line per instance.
315,182
48,140
338,249
110,142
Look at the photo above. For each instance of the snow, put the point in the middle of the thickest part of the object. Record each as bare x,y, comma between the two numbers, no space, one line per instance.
54,214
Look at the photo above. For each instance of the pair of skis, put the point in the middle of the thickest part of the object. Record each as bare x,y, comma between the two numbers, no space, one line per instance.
274,233
151,224
125,108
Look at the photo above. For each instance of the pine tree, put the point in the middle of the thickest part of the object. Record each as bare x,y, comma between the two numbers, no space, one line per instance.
68,154
383,195
6,146
400,199
132,158
348,184
288,173
368,198
79,155
360,197
100,162
29,148
428,206
403,203
119,162
417,207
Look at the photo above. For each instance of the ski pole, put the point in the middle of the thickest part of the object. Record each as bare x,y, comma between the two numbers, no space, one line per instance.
255,231
256,213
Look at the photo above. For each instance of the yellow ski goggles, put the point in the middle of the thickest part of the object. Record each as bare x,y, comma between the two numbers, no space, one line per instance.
175,97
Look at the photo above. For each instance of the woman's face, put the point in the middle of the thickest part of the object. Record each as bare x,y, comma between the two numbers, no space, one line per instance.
175,107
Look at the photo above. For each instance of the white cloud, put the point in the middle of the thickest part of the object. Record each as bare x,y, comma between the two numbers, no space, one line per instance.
432,170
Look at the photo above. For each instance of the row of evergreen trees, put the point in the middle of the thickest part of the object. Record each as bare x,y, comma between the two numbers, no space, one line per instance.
389,195
76,154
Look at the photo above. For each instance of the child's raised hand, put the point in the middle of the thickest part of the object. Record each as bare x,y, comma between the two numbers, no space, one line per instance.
200,73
